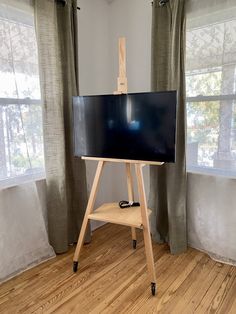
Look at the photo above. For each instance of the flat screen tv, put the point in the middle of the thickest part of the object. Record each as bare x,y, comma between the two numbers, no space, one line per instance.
140,126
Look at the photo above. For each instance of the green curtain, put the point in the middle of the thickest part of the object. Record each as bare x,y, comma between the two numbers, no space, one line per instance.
56,29
168,183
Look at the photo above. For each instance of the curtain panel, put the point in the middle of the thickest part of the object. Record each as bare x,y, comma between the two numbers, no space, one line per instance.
56,28
168,183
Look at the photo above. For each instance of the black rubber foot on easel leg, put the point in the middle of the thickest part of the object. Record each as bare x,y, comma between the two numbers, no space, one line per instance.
75,266
134,244
153,288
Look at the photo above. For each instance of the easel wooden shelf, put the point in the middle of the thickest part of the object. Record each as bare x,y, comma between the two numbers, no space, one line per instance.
134,217
111,212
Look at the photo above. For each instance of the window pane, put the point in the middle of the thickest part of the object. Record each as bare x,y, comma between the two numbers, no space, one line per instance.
21,139
204,82
202,132
211,46
22,148
19,76
211,136
210,89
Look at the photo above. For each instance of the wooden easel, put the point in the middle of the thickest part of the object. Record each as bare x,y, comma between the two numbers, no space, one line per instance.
135,217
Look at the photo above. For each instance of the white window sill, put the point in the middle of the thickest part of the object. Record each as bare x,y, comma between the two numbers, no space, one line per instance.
12,182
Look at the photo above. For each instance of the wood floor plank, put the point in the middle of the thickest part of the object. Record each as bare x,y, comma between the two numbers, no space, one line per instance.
112,278
206,303
60,280
134,292
95,293
223,299
199,287
177,299
138,272
233,307
90,270
43,270
139,293
169,287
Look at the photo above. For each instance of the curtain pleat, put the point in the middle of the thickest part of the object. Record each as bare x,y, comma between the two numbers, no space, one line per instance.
56,29
168,183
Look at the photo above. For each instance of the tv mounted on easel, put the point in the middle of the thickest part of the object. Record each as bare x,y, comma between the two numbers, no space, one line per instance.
137,126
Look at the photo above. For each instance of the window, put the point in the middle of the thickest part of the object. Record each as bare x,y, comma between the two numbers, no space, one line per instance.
21,138
210,89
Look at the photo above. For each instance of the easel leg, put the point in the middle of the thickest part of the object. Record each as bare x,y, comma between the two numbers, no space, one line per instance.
131,199
134,238
146,228
89,209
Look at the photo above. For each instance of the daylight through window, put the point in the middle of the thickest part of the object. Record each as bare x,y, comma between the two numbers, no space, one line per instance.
210,87
21,138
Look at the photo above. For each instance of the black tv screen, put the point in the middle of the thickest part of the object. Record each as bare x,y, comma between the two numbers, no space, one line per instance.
138,126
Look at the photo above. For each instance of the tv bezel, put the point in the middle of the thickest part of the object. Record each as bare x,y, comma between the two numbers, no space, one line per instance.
126,160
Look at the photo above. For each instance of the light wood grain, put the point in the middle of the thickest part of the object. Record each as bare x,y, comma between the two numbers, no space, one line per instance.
112,279
216,299
157,163
130,194
122,82
111,212
89,209
122,57
135,217
145,222
129,183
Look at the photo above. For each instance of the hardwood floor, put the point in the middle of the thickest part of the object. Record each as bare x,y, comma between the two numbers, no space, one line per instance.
112,278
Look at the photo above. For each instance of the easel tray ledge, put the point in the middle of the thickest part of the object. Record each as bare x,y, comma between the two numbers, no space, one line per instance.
129,161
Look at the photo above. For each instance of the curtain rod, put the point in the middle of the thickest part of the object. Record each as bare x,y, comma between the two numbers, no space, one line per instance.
161,3
64,2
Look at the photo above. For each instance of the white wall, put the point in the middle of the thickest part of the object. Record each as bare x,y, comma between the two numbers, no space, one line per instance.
94,71
100,25
94,55
132,19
